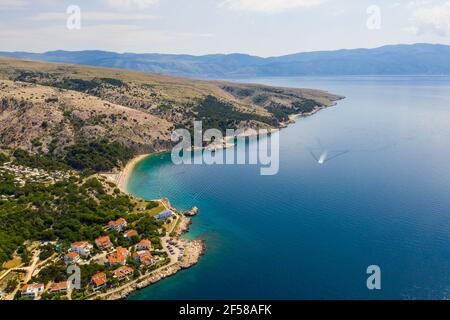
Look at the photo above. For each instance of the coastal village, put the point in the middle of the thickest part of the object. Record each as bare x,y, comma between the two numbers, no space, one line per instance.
118,262
68,228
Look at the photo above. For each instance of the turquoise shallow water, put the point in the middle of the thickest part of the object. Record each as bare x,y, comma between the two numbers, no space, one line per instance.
311,231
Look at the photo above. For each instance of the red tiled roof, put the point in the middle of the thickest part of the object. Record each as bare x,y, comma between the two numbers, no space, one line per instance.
144,257
146,243
123,271
119,256
72,255
114,258
81,244
122,251
103,241
131,233
118,222
99,279
58,286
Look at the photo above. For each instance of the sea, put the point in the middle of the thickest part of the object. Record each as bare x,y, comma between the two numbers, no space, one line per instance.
379,197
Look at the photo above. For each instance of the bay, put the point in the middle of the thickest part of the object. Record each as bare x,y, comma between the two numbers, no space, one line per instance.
310,232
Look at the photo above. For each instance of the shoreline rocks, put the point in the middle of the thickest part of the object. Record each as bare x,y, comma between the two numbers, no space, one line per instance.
191,213
194,250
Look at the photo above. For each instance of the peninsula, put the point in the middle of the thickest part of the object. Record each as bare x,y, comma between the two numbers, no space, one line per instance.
69,139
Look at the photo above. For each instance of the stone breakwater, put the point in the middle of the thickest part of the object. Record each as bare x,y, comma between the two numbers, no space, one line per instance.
193,251
184,225
191,213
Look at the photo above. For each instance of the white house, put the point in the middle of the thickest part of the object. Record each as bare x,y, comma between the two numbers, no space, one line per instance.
32,291
82,247
144,245
71,258
119,225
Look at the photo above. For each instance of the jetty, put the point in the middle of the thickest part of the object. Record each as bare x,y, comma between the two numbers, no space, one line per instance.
191,213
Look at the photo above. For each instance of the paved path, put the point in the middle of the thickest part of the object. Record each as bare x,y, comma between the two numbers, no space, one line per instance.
29,270
173,261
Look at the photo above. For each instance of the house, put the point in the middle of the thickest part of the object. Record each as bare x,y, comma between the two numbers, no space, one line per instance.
103,243
122,251
143,257
123,272
71,258
60,287
82,247
32,291
144,245
117,225
114,260
99,281
137,256
119,257
147,260
164,215
130,234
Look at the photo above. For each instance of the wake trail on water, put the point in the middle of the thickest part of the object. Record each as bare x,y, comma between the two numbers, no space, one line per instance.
328,154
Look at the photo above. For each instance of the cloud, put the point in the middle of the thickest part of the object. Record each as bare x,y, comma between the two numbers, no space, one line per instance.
430,19
130,4
338,12
418,3
268,6
94,16
23,4
110,37
12,4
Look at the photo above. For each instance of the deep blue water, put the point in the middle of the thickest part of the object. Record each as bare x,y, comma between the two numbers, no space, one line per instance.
311,231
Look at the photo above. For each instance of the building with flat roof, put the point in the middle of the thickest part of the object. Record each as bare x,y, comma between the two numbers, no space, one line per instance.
164,215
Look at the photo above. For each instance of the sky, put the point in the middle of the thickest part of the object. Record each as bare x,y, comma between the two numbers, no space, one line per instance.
257,27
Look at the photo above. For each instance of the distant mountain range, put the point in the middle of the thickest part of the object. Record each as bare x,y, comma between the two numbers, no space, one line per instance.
416,59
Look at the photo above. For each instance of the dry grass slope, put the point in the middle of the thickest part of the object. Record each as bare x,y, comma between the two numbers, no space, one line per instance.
50,104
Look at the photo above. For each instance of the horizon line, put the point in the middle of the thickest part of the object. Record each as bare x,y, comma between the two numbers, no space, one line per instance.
228,54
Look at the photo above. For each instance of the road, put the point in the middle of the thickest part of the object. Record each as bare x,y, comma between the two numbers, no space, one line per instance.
29,273
173,261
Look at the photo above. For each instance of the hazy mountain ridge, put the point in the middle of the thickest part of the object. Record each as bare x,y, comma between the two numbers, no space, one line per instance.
417,59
